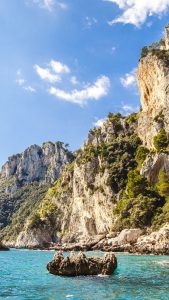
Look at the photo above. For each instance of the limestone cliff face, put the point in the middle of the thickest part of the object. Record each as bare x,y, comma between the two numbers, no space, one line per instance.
152,166
37,163
24,180
80,203
153,82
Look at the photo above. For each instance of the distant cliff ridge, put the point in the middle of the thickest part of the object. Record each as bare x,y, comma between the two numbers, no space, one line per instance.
38,163
24,180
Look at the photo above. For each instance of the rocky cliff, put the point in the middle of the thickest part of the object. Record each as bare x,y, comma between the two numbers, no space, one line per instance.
37,163
153,83
24,180
118,181
79,205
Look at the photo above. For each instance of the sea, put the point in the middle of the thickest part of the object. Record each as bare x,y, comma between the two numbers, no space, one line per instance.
23,276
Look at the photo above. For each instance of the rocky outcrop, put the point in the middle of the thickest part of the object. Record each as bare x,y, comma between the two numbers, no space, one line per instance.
34,239
80,265
152,166
3,247
24,180
79,205
153,78
157,242
38,163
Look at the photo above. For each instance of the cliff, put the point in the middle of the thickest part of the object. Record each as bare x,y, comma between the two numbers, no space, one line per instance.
37,163
79,205
117,182
24,180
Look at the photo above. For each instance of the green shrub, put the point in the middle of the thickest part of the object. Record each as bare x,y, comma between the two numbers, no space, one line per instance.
161,141
163,184
132,118
137,184
141,155
137,212
116,120
144,51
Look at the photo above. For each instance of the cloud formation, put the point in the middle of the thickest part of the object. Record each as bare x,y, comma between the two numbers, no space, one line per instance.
54,71
23,83
128,109
50,4
136,12
99,123
89,22
46,74
58,67
129,79
92,92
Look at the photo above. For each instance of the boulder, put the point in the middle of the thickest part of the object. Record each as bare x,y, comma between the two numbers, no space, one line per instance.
126,236
80,265
157,242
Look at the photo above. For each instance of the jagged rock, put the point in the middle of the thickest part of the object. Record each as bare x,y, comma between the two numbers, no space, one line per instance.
152,166
157,242
153,78
34,239
38,163
79,264
126,236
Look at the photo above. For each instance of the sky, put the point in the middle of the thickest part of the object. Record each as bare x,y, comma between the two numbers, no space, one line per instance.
65,64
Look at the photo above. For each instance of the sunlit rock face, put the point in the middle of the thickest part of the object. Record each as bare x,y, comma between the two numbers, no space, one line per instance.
153,82
38,163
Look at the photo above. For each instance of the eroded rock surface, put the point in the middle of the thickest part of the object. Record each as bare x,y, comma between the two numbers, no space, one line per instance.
37,163
80,265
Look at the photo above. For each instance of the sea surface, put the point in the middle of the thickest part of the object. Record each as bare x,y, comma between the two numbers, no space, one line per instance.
23,275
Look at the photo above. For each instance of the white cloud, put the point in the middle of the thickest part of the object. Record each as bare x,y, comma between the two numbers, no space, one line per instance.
30,89
20,81
74,80
89,22
129,79
92,92
99,123
19,78
136,12
23,83
58,67
46,74
50,4
128,109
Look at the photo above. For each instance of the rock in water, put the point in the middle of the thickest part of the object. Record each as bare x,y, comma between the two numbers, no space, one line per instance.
79,264
3,248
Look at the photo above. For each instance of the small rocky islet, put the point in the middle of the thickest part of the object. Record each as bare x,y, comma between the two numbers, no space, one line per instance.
110,195
78,264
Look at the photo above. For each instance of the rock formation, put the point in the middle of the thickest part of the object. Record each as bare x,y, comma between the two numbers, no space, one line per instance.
115,189
3,248
153,78
37,163
79,205
24,180
80,265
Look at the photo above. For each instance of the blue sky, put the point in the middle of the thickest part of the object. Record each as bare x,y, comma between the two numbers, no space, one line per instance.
65,64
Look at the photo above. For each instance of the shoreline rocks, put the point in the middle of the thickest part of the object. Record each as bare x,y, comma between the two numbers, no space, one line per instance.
81,265
133,241
3,247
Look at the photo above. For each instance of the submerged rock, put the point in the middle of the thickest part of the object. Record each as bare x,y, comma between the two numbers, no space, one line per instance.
79,264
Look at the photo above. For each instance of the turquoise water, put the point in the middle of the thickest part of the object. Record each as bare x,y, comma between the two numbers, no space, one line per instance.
23,275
